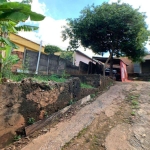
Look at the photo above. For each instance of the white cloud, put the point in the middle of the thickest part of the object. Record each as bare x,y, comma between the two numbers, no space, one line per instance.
49,29
49,32
39,7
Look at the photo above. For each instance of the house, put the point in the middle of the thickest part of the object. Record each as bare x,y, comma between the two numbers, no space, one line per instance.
138,68
78,56
118,65
143,67
130,68
23,44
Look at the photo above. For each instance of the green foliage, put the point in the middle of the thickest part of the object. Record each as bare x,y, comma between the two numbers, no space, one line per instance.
93,95
45,114
56,78
115,28
18,77
39,78
84,85
17,137
68,55
65,75
71,102
8,61
134,102
31,121
17,12
133,113
51,49
11,14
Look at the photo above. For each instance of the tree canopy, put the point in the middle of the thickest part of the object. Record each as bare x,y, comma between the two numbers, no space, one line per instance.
11,14
68,55
116,28
51,49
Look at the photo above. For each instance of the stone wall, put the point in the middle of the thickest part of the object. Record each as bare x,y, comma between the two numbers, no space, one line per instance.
92,79
21,101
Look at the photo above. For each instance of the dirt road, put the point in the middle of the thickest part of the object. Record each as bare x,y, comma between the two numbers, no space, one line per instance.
119,119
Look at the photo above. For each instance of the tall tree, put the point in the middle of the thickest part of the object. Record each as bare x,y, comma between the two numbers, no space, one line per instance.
68,55
115,28
51,49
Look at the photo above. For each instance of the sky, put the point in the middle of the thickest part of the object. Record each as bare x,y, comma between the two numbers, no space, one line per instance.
57,11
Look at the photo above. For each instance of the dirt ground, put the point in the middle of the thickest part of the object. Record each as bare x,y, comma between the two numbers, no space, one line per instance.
123,125
119,119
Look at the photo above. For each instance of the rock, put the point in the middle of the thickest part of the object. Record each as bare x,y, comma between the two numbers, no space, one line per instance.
45,130
144,135
103,145
27,138
110,127
41,116
9,104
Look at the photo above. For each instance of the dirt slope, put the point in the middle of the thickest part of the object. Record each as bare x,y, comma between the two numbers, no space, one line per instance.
117,120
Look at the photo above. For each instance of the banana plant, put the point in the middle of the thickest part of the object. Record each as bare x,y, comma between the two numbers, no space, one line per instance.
8,61
11,14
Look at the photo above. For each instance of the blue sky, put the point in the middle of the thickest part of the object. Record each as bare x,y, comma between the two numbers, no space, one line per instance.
62,9
57,11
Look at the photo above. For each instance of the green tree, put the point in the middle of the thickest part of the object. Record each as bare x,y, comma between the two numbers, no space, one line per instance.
51,49
11,14
115,28
67,55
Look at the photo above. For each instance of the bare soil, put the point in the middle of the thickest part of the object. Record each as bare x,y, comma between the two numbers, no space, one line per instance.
117,127
119,119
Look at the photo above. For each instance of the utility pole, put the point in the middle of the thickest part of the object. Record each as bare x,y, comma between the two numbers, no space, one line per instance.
38,61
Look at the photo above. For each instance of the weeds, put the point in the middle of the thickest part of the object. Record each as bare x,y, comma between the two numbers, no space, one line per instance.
39,78
17,137
56,78
133,113
45,114
92,95
31,121
133,100
84,85
71,102
134,103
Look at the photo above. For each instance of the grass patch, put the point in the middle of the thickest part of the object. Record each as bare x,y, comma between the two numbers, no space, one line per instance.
92,95
133,113
134,102
56,78
84,85
17,137
18,77
38,78
82,132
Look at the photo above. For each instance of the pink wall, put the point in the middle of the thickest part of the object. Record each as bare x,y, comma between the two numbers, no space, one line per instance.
79,57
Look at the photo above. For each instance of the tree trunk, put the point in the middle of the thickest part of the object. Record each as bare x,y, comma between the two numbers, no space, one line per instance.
104,66
111,66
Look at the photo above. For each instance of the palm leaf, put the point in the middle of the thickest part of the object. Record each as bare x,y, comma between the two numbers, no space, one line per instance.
26,28
7,42
18,12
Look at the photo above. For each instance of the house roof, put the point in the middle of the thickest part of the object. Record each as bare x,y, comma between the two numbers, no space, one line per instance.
147,57
116,61
25,39
84,55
